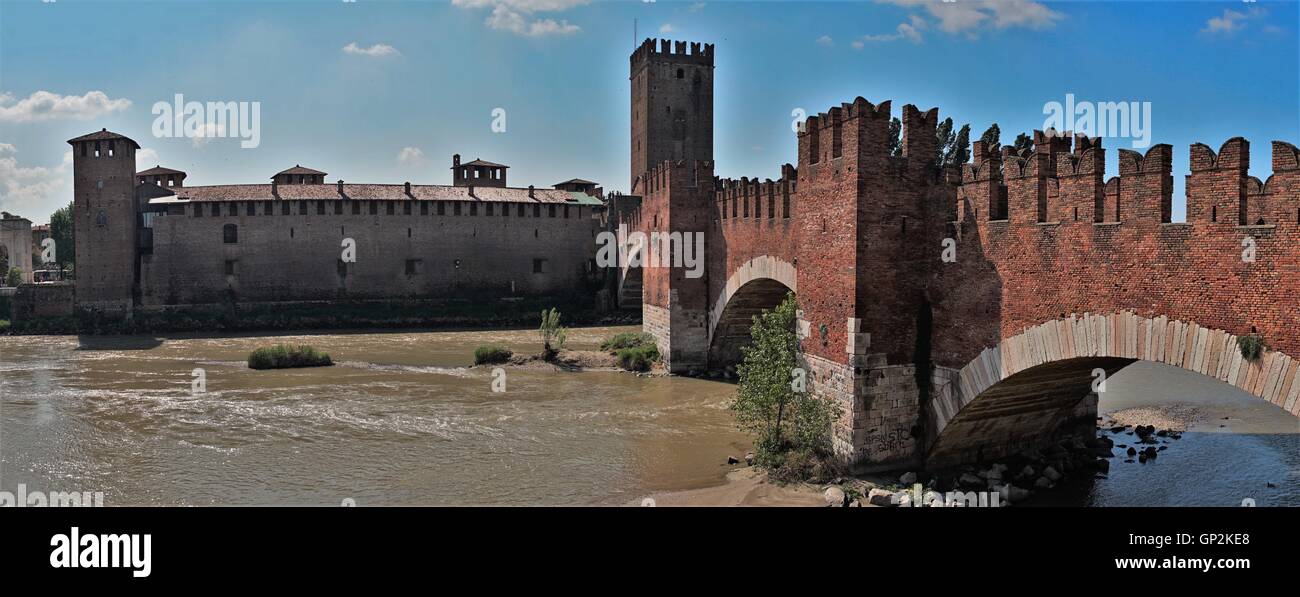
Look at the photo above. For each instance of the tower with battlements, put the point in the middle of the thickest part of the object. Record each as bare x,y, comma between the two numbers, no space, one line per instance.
672,104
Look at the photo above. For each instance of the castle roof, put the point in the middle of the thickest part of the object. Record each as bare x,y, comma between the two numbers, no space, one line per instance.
297,169
574,181
103,135
365,192
479,162
158,170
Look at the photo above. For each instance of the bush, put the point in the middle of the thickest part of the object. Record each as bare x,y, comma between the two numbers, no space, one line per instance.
552,333
14,277
790,424
1252,346
491,353
627,340
638,358
283,356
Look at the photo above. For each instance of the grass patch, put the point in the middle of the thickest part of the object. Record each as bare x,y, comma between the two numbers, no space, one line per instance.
624,340
491,353
638,358
284,356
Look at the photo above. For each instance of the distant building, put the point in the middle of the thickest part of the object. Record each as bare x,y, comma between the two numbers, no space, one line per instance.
145,239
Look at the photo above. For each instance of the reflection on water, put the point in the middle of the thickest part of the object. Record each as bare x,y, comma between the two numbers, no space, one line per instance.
1241,446
399,420
402,420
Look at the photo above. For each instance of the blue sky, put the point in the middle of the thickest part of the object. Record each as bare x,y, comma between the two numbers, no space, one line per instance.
387,91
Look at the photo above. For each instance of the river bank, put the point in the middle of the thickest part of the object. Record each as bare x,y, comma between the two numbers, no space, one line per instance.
448,315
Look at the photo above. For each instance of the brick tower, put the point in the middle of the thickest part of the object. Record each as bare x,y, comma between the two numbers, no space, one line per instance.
104,221
672,104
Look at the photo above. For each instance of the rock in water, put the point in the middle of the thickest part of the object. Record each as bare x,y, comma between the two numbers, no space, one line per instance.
834,496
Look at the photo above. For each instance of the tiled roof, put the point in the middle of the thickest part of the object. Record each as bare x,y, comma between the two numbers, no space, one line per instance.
158,170
299,170
363,192
103,135
478,162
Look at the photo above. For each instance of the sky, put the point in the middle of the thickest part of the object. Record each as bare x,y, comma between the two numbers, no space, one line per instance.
373,91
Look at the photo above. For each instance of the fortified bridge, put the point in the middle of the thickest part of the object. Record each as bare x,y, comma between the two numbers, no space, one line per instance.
1052,271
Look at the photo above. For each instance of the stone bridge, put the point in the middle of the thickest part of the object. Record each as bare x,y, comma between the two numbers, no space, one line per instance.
959,313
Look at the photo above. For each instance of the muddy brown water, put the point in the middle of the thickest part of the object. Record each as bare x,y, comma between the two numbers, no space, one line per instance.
402,420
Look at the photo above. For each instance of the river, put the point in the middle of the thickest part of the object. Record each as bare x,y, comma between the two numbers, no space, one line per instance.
402,420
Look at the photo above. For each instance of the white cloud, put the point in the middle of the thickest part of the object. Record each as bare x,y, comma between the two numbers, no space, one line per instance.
517,16
410,155
825,40
666,28
697,7
33,192
376,50
1232,21
910,31
206,133
44,105
146,158
969,16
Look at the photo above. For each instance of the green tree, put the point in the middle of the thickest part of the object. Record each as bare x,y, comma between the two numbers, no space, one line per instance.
61,230
552,334
1024,144
946,138
959,152
895,137
774,401
14,277
992,136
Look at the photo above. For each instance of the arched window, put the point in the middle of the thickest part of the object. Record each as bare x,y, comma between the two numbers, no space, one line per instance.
230,234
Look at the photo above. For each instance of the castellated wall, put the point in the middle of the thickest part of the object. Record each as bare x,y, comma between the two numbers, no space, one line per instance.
405,249
1072,243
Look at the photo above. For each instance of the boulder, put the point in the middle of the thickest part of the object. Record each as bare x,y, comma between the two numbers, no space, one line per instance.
969,479
1043,483
749,459
834,496
881,497
733,460
1016,494
1051,474
907,479
1026,472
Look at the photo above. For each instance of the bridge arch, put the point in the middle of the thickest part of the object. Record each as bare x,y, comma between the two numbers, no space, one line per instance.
1037,383
758,284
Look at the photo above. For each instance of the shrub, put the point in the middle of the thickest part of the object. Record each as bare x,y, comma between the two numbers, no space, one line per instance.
627,340
283,356
552,333
791,426
14,277
638,358
491,353
1252,346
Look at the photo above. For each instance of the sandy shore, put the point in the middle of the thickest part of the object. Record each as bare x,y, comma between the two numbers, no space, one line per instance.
746,486
1173,417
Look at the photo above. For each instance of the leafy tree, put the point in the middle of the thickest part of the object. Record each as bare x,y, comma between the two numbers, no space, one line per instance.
61,231
552,333
959,152
787,420
14,278
1024,144
946,138
992,136
895,137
